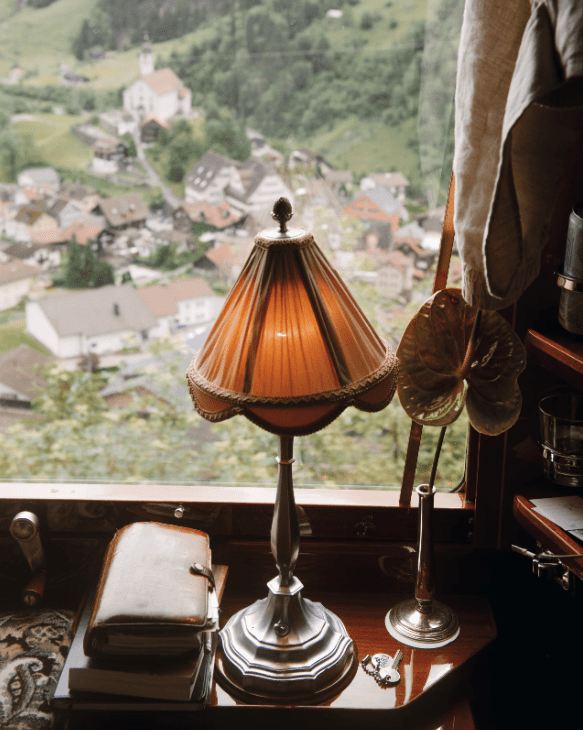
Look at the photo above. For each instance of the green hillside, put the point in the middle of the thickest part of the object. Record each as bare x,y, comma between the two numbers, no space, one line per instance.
39,39
347,87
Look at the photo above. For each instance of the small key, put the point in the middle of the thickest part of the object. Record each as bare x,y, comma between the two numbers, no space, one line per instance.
380,660
390,674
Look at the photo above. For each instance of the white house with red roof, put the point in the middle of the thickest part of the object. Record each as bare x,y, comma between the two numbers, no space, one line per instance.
160,93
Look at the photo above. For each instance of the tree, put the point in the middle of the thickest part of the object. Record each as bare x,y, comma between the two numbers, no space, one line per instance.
227,135
75,436
87,264
130,143
74,267
82,270
103,274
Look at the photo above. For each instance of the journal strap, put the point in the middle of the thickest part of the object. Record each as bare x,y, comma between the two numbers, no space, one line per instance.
199,569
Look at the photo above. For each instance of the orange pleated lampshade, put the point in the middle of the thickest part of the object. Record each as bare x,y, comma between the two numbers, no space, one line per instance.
291,348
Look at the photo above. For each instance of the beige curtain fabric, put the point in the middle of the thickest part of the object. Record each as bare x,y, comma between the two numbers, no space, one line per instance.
519,114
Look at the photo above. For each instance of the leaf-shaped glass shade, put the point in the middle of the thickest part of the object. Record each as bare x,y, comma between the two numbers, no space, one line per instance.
440,372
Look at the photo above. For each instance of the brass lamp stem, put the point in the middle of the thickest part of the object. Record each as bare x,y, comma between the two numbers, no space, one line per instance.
285,530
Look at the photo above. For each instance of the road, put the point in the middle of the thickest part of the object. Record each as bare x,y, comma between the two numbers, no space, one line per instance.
171,199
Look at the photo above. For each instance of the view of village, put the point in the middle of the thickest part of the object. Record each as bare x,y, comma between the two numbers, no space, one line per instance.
111,281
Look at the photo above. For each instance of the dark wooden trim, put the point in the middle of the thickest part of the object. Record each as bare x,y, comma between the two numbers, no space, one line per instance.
227,511
548,534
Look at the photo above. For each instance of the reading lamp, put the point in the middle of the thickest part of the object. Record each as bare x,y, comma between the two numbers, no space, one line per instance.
290,350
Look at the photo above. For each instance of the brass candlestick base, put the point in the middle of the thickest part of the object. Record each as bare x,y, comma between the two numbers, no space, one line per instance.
422,621
408,623
284,646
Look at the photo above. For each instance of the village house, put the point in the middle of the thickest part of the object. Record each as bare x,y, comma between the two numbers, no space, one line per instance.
181,303
44,254
158,92
123,211
118,122
65,211
341,181
432,224
90,134
84,198
209,178
109,156
86,230
150,128
395,276
69,77
219,216
395,182
381,213
131,242
43,179
30,218
180,240
87,321
20,379
408,240
246,186
260,186
18,280
228,258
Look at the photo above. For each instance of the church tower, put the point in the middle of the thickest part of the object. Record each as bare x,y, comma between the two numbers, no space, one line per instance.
146,58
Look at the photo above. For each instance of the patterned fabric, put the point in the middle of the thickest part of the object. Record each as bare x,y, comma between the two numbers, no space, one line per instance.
33,647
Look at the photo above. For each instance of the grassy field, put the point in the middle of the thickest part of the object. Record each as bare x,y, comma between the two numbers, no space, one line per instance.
54,140
13,334
39,40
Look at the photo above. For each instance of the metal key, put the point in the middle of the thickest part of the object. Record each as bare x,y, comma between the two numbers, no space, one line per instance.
390,674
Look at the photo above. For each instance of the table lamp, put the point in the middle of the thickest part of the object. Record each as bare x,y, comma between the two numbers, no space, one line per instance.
290,350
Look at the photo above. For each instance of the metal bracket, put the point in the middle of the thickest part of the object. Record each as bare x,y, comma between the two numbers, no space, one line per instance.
548,566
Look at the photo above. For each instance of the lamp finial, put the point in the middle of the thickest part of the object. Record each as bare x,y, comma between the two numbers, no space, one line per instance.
282,212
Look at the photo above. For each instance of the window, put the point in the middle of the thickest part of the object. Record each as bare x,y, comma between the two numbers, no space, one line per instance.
352,109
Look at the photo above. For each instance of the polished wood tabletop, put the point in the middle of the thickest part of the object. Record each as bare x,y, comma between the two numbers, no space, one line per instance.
364,618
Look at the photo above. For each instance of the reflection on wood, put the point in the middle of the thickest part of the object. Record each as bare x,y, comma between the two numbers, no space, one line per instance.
364,616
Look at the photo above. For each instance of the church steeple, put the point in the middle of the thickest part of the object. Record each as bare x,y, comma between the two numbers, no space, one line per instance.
146,58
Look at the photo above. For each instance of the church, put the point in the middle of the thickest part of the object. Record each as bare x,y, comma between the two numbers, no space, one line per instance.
160,93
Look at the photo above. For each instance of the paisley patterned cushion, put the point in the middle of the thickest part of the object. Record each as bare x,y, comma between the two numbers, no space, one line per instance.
33,647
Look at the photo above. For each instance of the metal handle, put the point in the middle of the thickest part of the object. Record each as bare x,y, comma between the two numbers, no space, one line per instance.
24,528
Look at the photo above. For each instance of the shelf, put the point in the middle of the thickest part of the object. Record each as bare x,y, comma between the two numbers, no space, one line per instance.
551,536
558,351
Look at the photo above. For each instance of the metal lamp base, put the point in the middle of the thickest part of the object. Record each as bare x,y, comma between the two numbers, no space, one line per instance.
415,624
284,646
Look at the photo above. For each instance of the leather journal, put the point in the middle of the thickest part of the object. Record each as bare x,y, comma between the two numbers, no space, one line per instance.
155,594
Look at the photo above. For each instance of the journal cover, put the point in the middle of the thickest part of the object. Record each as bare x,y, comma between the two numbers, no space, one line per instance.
151,597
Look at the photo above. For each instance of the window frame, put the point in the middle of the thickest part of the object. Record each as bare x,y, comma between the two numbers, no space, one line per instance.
329,513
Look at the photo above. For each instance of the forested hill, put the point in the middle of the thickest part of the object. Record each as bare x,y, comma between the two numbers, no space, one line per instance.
286,82
115,24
